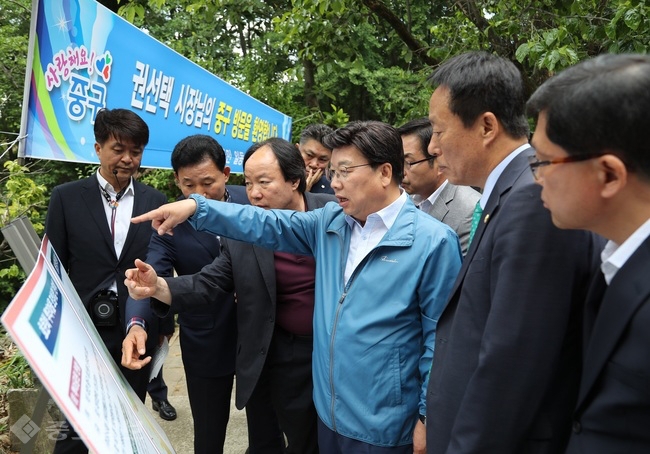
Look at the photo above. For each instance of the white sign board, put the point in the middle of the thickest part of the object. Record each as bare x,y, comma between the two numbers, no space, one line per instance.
50,325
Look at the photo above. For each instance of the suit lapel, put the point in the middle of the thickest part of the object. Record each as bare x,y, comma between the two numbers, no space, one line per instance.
592,305
439,209
505,182
627,291
95,206
266,261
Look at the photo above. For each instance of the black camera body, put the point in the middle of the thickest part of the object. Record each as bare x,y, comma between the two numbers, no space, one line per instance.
104,309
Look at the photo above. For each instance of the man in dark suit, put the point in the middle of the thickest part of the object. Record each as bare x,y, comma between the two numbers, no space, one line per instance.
429,188
316,156
207,337
506,366
275,296
88,223
593,163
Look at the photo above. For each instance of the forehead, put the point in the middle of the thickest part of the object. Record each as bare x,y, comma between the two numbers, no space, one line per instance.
347,155
412,145
542,144
262,161
439,104
314,146
114,142
204,169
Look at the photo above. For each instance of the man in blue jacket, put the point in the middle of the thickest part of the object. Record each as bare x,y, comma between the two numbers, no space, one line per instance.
383,273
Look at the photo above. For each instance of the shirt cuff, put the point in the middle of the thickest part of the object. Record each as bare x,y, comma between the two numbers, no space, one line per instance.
139,321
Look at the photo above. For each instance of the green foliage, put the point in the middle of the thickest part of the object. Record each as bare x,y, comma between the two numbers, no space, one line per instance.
161,179
14,37
20,195
14,370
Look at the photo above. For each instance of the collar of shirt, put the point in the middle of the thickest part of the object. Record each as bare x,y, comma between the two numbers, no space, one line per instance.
429,201
387,214
615,256
496,173
109,187
123,213
364,239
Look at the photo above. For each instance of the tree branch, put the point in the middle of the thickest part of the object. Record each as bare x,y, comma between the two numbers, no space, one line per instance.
474,14
418,47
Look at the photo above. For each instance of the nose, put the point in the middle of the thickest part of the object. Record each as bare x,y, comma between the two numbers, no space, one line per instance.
254,192
433,149
335,182
127,157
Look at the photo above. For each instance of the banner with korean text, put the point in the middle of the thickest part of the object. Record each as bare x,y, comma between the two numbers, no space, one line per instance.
85,58
50,325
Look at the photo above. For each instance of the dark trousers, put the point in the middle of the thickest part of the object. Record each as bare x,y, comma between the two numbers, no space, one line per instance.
157,388
286,380
333,443
68,441
210,404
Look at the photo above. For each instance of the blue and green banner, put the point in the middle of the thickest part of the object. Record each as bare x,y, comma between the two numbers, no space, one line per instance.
85,58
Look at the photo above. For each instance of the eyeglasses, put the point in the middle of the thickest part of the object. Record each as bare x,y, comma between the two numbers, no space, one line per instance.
342,172
535,164
411,164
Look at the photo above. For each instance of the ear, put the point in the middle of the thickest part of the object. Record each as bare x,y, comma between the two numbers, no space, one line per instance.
98,148
386,173
612,176
489,126
178,183
226,173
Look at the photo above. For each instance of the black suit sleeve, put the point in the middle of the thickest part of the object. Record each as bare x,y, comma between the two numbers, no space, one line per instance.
214,283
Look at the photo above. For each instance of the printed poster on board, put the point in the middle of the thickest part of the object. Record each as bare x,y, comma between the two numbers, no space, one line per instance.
50,325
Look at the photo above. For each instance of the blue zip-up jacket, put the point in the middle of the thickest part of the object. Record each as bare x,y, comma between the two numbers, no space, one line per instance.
374,336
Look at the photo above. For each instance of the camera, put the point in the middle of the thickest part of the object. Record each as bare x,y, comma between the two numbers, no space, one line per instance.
104,308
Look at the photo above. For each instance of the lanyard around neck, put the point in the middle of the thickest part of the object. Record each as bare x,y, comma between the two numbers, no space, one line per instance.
113,204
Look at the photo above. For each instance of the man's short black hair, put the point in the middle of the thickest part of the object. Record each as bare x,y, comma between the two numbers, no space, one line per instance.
480,82
601,105
195,149
378,142
316,132
421,128
121,124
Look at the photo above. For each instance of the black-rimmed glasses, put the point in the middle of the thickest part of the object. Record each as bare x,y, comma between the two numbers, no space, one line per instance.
411,164
535,163
342,172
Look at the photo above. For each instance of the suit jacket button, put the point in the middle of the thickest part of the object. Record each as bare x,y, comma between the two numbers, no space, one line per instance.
577,427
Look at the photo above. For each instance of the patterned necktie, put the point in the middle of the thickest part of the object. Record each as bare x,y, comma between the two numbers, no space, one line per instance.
476,218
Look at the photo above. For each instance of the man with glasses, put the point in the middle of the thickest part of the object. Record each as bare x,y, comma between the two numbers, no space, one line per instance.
383,273
506,367
429,189
594,168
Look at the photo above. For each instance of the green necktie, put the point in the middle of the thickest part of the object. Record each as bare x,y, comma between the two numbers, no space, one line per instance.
476,218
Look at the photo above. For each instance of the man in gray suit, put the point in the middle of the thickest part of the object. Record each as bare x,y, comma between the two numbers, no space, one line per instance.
428,187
